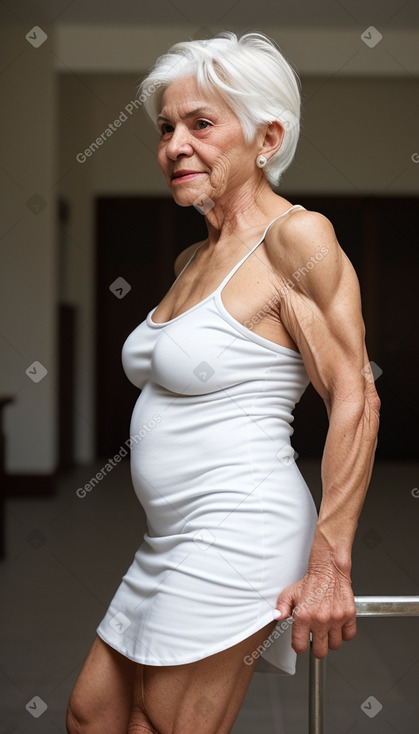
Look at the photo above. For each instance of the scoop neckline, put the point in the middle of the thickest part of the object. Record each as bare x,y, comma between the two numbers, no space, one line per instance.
216,295
172,321
213,294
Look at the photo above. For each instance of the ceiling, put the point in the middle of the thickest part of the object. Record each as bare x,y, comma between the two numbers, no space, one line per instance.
228,14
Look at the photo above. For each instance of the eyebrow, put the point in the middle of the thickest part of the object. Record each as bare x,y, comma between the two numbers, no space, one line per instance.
188,114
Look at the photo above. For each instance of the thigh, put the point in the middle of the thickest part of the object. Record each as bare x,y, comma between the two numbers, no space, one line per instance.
204,696
104,688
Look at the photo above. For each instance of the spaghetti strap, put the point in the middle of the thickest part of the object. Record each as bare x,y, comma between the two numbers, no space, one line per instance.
236,267
190,259
252,249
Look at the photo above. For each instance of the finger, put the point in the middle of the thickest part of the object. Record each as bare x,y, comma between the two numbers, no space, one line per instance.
349,629
335,638
284,604
300,635
320,643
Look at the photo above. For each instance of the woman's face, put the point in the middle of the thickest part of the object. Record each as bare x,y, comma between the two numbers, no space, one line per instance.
202,134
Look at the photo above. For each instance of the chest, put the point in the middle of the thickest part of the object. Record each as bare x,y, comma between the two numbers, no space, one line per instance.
250,294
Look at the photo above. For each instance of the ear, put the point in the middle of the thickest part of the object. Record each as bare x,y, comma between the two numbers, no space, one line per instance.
272,140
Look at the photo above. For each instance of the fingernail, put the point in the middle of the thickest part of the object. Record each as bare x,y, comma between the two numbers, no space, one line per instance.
277,614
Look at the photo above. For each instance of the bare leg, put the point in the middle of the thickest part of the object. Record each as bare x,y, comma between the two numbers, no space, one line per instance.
203,697
101,700
139,723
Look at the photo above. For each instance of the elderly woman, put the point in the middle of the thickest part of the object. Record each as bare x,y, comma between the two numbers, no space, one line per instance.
237,568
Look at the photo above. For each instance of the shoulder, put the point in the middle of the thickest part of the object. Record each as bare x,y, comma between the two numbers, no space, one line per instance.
184,256
303,249
301,235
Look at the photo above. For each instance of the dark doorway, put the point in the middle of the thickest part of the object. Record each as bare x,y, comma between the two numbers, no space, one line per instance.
138,239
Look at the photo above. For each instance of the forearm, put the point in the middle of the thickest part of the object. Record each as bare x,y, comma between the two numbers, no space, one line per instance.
345,471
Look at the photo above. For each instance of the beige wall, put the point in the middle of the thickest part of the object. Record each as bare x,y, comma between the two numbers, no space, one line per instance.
28,87
358,135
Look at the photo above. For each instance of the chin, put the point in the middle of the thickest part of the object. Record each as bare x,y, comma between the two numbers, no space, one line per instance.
187,196
183,203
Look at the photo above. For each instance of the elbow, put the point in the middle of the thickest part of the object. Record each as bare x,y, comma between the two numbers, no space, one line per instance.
372,399
376,404
358,397
371,417
363,405
368,414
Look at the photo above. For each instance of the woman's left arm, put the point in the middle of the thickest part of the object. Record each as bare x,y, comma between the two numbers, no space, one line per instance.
320,306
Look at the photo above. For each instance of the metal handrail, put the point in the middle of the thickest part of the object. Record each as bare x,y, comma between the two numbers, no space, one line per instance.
366,606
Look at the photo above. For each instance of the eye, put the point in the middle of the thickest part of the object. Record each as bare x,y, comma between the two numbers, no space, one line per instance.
165,125
205,122
162,127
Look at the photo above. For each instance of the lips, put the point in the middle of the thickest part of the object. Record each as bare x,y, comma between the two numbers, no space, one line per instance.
180,174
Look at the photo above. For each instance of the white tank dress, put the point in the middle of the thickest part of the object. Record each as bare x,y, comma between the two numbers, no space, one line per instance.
230,519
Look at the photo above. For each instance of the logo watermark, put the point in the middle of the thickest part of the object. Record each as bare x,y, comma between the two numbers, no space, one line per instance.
111,463
296,275
131,107
285,625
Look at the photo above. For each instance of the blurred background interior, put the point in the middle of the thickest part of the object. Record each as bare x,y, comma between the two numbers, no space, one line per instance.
75,219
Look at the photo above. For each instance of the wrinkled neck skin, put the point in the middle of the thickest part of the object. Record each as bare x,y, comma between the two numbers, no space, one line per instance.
238,209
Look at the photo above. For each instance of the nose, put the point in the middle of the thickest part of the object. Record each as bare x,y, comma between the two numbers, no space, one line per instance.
179,143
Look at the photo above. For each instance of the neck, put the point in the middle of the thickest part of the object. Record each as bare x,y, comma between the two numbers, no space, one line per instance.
240,212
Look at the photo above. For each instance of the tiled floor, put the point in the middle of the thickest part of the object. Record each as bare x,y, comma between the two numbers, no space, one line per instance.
66,556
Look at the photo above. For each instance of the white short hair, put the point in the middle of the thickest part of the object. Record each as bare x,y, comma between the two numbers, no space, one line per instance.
251,75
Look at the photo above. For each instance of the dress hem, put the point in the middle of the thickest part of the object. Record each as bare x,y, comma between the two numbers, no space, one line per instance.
144,660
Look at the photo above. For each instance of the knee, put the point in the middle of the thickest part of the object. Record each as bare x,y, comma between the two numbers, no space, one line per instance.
73,724
78,724
80,719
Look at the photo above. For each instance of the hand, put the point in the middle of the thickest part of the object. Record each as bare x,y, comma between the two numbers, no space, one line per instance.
323,604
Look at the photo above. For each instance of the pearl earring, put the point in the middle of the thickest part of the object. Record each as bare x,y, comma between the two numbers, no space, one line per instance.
261,161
